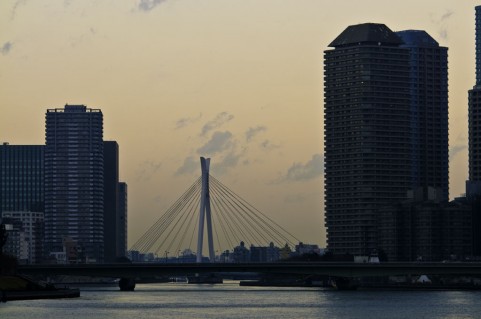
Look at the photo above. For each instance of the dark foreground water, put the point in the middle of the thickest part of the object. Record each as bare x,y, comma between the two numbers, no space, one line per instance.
231,301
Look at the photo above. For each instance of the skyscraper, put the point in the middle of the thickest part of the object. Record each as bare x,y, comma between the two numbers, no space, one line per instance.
115,205
385,128
122,209
74,181
111,180
428,69
21,178
366,133
473,186
22,198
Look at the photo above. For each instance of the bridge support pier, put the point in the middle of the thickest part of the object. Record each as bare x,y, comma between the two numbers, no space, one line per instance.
127,284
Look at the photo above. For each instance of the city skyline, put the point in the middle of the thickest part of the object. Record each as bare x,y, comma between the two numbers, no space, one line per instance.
248,94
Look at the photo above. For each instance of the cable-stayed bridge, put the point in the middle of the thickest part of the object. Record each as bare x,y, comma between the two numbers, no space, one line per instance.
209,206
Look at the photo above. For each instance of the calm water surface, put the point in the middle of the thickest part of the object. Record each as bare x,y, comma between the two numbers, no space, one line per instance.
231,301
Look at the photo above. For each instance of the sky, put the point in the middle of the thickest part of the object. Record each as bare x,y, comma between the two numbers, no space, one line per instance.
239,81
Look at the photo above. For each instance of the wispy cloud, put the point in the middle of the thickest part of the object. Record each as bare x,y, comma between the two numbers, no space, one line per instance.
441,22
268,145
253,131
15,7
456,149
6,47
220,141
228,161
189,166
302,172
186,121
147,170
148,5
218,121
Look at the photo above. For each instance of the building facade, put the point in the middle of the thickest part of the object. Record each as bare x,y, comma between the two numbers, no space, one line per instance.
111,180
385,128
21,178
428,88
74,182
426,230
473,185
366,133
122,220
25,240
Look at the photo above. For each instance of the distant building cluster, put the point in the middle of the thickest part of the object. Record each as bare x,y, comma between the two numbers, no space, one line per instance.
386,148
239,254
64,199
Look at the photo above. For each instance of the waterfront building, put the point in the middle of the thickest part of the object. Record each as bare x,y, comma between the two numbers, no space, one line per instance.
385,128
473,185
428,88
301,249
111,199
241,254
74,181
115,205
264,254
27,236
122,213
422,229
366,133
21,178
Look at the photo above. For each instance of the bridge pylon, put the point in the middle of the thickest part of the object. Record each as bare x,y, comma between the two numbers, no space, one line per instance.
205,213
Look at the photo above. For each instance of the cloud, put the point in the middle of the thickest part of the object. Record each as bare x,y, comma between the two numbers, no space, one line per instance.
6,47
16,5
442,22
147,169
147,5
253,131
447,15
267,145
228,161
220,141
454,150
190,166
183,122
219,120
302,172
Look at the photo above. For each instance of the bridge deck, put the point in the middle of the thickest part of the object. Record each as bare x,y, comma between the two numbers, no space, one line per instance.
145,270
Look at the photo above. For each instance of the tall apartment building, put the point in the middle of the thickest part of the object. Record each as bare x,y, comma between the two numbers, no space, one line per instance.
428,68
115,205
473,185
22,199
111,180
21,178
122,214
74,181
385,128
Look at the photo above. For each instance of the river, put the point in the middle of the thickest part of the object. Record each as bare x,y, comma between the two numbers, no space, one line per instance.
231,301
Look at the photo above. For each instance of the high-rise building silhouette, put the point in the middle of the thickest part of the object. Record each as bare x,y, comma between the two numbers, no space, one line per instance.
21,178
115,205
473,186
122,210
22,199
428,69
74,182
385,128
111,180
